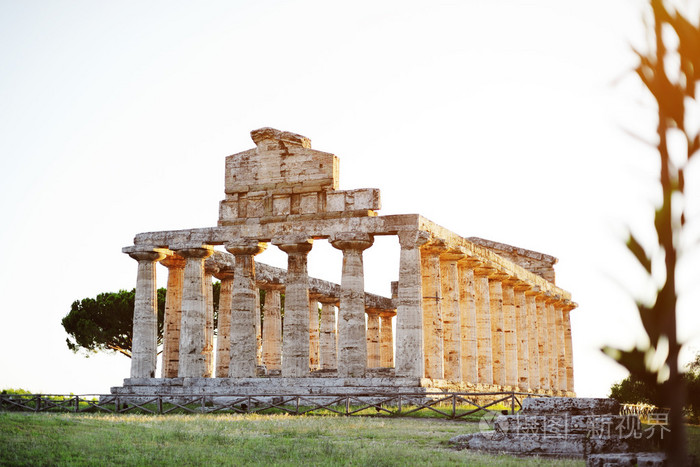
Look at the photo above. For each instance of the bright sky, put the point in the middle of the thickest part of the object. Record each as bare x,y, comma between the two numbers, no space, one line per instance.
503,120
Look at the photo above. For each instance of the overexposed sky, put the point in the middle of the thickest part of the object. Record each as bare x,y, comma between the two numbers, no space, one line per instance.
503,120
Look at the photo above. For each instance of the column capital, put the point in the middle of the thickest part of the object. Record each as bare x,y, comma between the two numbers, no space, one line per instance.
191,251
387,313
413,239
453,254
173,262
470,262
293,244
224,273
499,276
351,241
484,271
245,247
520,286
437,246
145,253
533,291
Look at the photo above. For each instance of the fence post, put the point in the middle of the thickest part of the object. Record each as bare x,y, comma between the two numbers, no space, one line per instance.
454,405
37,403
347,405
512,402
160,404
77,404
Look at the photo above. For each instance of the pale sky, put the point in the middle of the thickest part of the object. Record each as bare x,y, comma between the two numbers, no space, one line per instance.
503,120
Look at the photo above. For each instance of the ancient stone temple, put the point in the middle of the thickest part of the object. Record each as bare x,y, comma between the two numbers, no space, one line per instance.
465,313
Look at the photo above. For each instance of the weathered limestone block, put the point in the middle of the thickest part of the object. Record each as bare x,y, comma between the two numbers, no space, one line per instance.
432,309
352,345
409,317
535,262
451,315
570,406
386,338
173,315
145,331
223,339
194,311
497,334
364,199
272,331
295,346
467,309
243,354
563,424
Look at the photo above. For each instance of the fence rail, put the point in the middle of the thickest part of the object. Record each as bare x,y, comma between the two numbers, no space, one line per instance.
454,406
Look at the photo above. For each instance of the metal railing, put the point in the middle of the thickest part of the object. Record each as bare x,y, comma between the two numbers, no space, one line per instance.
454,406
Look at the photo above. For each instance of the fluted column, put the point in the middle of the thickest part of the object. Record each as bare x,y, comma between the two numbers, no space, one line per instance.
542,341
433,342
451,315
173,315
329,343
533,340
209,323
386,339
295,345
314,333
553,343
352,345
258,329
409,317
223,338
482,302
499,342
145,331
511,360
561,346
194,313
522,330
272,331
243,354
373,348
568,306
467,310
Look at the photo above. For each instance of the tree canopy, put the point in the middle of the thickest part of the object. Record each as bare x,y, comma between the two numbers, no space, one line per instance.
105,323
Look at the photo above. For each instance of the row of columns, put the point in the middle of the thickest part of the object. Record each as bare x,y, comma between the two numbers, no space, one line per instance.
307,344
458,318
481,325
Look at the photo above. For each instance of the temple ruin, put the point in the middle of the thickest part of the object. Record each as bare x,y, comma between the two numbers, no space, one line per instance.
466,314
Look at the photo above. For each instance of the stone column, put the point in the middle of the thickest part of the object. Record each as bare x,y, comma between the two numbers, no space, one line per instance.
209,322
433,341
451,315
194,313
223,338
499,342
295,345
313,333
511,360
329,345
561,346
258,329
409,314
482,301
352,346
145,331
522,331
386,339
533,340
243,354
542,341
552,340
173,314
467,310
373,349
272,332
566,310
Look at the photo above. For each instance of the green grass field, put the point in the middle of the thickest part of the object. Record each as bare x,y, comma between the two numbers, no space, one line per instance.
94,439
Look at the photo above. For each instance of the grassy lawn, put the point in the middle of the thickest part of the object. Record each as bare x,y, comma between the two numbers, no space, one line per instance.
89,439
